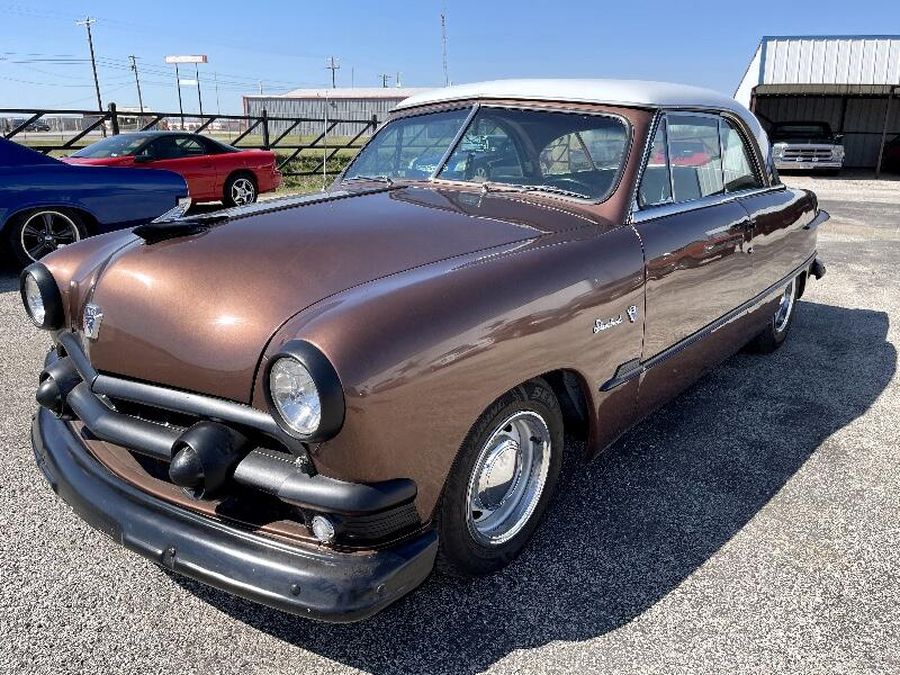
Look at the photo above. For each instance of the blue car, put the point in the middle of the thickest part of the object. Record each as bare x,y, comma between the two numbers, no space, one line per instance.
45,204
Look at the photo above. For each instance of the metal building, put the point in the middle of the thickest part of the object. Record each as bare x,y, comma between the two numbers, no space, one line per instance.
344,103
850,81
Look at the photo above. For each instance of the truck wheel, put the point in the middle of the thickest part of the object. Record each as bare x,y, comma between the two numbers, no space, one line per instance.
37,232
501,483
240,190
776,331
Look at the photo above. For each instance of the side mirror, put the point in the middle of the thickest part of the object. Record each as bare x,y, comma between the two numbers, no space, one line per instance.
838,138
142,159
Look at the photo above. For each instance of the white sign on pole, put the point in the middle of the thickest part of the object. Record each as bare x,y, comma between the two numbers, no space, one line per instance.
197,58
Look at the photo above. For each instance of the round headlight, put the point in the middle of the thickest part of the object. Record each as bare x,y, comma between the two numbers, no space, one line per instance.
295,395
34,301
304,392
41,297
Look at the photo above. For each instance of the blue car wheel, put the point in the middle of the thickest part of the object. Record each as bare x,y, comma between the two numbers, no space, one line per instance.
37,232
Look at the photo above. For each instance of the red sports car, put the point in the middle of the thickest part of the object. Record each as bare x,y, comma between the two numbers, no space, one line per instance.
214,171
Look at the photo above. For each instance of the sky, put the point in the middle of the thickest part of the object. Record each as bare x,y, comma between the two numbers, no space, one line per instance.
44,59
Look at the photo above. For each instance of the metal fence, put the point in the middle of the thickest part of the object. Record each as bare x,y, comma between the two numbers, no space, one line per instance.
61,130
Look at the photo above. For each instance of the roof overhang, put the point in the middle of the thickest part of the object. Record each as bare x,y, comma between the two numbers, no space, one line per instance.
825,89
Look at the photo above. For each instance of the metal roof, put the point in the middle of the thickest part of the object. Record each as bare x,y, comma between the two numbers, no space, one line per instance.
822,60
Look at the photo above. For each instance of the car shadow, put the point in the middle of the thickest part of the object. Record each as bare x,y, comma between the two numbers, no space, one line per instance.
628,528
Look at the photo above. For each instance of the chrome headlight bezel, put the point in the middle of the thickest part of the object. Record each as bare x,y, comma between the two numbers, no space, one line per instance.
327,386
37,277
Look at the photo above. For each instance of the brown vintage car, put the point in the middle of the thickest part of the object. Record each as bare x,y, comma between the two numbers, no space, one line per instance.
311,401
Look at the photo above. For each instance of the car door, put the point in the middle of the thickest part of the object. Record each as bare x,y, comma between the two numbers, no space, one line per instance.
184,155
697,251
780,241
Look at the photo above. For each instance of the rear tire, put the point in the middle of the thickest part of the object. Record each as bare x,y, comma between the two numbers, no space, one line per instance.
37,232
240,190
501,483
779,325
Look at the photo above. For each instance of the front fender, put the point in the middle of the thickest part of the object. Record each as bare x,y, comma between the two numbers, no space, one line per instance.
421,354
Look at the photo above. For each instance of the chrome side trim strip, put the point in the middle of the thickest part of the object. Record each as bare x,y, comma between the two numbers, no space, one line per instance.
629,371
654,212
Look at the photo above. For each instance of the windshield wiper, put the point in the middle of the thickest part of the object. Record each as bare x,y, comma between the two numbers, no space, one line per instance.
379,179
521,187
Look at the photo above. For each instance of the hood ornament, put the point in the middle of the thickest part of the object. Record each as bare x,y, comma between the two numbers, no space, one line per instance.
93,317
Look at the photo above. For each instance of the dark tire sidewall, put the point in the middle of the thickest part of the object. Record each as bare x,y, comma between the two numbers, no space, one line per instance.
459,553
17,222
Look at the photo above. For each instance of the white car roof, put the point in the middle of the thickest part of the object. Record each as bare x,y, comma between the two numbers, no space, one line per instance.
631,93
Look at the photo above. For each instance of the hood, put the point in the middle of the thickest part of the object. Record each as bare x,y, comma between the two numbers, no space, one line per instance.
196,312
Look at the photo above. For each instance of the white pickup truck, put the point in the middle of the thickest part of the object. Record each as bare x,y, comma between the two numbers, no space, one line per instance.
806,145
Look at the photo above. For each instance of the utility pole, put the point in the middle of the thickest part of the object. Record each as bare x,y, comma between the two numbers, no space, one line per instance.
137,82
444,47
397,81
87,24
260,88
333,66
218,107
384,79
352,73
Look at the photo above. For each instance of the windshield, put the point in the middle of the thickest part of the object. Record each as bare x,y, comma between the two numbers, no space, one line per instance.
781,132
114,146
409,147
574,154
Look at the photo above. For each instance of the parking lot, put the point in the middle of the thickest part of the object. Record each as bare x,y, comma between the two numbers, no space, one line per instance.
752,525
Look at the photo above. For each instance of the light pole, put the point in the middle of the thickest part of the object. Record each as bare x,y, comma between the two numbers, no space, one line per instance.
191,58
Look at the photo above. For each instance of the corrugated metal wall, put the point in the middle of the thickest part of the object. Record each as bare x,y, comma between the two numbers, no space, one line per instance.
831,60
860,119
341,108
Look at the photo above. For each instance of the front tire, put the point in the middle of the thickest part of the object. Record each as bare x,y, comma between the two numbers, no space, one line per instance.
37,232
779,325
240,190
501,483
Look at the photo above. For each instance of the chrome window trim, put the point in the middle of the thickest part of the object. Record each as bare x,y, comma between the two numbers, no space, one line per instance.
674,208
456,141
643,214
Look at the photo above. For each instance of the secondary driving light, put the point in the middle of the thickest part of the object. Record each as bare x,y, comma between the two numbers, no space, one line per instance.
41,297
295,395
323,529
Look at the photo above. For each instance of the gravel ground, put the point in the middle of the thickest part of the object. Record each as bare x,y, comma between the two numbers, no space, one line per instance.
751,526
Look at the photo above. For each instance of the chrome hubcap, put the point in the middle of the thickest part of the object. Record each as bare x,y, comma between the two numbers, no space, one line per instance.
46,231
243,191
785,306
508,479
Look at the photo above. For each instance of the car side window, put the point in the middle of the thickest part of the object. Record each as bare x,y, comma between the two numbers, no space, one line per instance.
694,156
189,147
656,183
736,164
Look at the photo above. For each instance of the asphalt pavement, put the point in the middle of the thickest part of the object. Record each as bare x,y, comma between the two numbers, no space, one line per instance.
752,525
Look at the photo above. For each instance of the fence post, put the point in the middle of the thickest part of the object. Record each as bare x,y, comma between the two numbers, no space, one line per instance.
374,123
265,128
114,119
